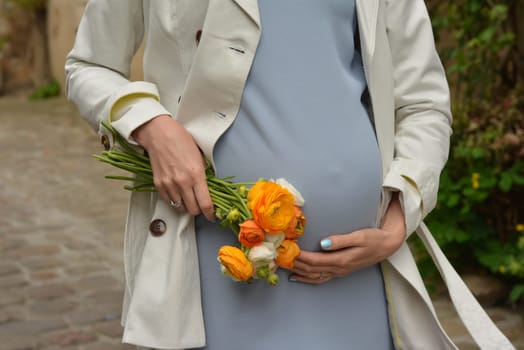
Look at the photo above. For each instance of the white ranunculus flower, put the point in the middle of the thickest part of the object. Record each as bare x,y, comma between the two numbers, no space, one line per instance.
262,254
276,239
299,200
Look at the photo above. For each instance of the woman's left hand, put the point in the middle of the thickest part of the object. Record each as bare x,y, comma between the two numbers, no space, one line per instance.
346,253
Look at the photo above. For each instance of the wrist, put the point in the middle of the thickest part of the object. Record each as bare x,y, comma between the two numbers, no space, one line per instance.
144,133
394,222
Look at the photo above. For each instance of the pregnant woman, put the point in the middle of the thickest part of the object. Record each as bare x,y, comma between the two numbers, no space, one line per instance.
302,117
346,99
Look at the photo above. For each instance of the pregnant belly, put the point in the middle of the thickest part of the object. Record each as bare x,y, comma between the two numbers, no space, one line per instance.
341,187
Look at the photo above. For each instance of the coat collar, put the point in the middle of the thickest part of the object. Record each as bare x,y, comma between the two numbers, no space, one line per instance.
250,7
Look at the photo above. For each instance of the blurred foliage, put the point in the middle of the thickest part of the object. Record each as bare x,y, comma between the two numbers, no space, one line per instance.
46,91
31,4
479,219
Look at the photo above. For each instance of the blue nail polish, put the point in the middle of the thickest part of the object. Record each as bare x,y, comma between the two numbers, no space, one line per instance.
325,243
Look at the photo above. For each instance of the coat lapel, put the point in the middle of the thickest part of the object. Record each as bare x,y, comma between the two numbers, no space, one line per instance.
251,8
373,55
367,11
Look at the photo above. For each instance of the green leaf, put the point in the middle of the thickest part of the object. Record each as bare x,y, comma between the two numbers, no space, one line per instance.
498,11
469,192
505,182
516,293
518,179
453,200
487,34
477,153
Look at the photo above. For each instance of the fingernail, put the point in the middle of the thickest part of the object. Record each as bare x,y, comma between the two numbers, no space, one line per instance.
291,279
325,243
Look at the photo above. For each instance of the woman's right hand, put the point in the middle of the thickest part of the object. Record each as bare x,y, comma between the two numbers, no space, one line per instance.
178,165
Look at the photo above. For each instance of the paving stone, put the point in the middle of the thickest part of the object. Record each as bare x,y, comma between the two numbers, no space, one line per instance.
109,346
79,245
454,327
106,296
96,282
467,346
59,347
72,338
12,313
27,328
44,275
43,263
81,270
103,346
487,289
12,281
9,244
95,314
111,329
34,250
17,343
47,307
9,269
8,297
50,291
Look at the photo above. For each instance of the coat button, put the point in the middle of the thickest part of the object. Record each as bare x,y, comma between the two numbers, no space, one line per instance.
104,140
198,36
157,227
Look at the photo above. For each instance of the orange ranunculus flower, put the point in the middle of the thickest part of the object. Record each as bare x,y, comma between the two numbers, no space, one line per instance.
235,262
287,253
250,234
297,225
272,206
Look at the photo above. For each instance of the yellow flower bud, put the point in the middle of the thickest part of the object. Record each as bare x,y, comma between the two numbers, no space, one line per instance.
273,279
242,191
233,215
263,272
475,183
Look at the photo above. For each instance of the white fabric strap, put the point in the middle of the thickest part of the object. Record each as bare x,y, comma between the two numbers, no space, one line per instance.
480,326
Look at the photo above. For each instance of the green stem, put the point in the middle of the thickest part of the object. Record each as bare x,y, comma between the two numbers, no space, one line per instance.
116,154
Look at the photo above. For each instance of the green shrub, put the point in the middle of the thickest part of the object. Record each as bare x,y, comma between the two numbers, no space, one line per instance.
479,219
46,91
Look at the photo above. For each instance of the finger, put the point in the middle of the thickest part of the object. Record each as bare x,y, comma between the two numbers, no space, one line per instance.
204,201
319,259
336,242
175,200
315,280
164,195
305,269
188,196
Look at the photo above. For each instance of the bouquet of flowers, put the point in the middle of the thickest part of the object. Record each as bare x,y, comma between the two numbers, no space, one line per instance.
264,216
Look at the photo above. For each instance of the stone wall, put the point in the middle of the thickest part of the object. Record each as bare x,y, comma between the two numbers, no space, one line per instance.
16,55
33,50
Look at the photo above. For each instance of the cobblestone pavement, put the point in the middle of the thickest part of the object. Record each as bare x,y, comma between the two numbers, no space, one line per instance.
61,223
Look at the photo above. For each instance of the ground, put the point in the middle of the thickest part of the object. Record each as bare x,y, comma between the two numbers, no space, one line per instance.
61,232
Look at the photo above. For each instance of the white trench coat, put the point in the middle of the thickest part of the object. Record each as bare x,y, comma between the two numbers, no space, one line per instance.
197,57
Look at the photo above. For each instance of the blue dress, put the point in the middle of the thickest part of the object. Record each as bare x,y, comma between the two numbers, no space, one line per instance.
301,118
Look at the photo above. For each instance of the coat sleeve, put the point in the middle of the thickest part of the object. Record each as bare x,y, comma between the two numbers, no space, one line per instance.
422,109
98,68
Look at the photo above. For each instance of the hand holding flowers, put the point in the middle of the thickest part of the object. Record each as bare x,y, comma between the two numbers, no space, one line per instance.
266,220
